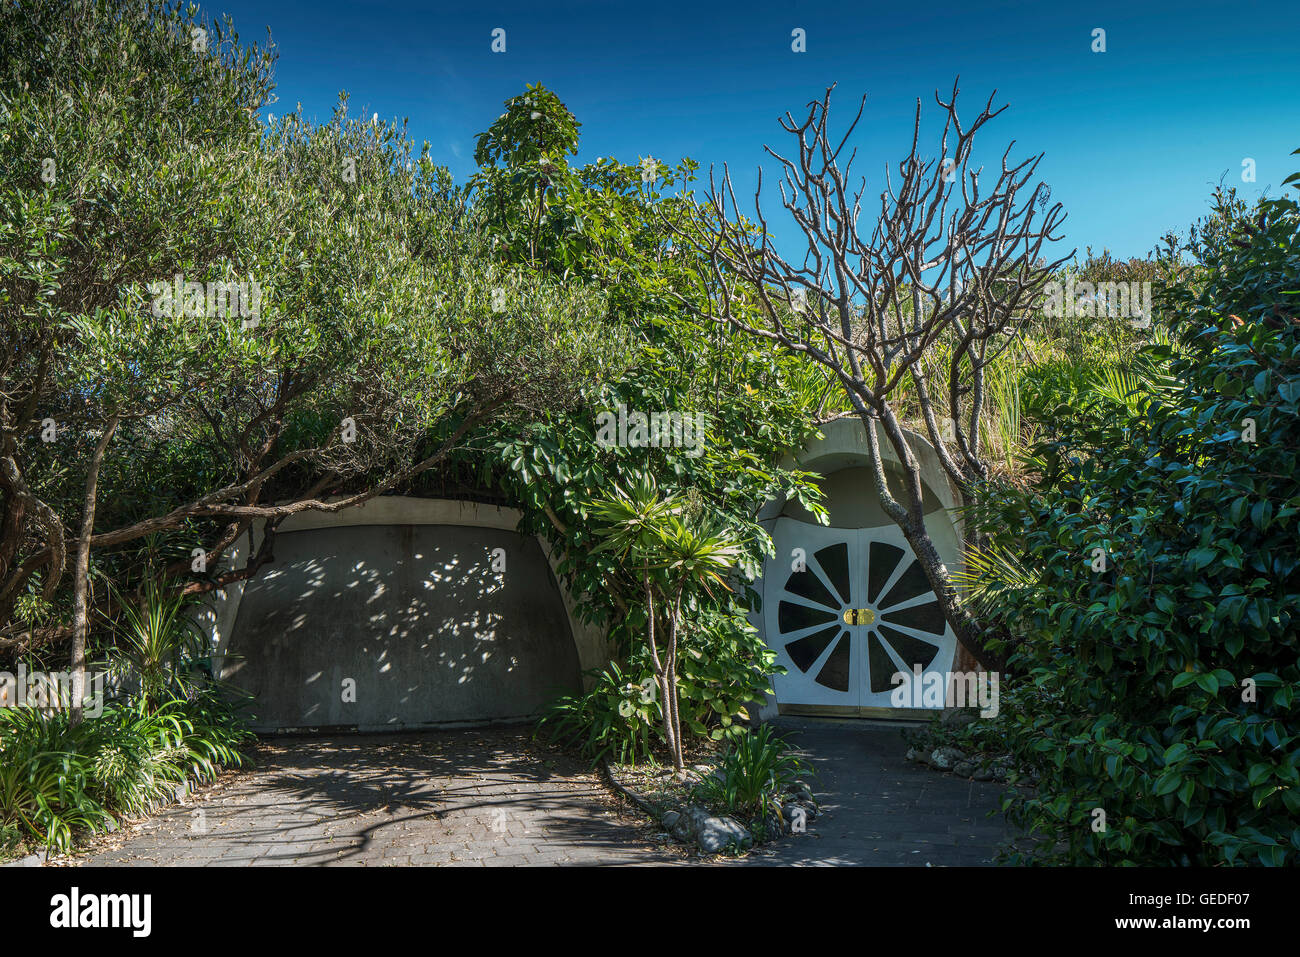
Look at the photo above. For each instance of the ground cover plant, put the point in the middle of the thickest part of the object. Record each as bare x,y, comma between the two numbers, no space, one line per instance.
61,782
757,769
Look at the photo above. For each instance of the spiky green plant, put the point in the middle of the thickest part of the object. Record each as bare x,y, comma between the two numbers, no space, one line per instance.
43,779
756,768
1121,386
674,554
58,780
157,642
991,571
1005,433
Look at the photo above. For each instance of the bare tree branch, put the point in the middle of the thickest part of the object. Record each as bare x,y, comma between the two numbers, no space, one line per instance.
952,262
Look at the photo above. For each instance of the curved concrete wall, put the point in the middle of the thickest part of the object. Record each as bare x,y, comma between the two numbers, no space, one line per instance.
841,456
403,613
843,446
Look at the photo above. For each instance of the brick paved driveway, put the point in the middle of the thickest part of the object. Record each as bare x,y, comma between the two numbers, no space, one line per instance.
455,797
493,798
879,808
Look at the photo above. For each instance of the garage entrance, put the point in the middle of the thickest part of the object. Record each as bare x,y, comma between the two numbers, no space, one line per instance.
398,626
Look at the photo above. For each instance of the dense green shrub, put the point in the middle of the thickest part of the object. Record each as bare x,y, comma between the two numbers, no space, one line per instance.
45,782
610,223
616,720
58,779
1156,605
1093,331
138,144
723,667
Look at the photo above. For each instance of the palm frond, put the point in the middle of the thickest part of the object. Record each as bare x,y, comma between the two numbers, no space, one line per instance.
991,570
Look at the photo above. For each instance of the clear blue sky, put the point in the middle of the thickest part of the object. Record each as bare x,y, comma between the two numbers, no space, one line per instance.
1134,137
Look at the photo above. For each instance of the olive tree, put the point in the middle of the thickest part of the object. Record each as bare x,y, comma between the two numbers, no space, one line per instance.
372,337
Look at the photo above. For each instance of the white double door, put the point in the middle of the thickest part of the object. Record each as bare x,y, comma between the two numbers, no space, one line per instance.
846,610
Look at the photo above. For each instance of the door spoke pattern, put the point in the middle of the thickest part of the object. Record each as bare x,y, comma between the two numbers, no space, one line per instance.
818,595
872,577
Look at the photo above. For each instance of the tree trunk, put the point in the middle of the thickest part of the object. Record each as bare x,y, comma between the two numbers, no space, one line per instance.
670,706
670,725
81,575
963,624
664,676
678,758
911,521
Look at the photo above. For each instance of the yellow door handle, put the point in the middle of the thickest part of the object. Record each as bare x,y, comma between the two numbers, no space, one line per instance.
859,616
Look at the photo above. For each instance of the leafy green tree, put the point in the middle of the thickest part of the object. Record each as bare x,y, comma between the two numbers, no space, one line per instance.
383,336
673,556
526,185
613,224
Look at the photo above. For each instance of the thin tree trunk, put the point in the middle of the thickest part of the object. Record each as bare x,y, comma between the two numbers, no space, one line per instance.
963,624
81,574
678,758
670,708
910,519
665,685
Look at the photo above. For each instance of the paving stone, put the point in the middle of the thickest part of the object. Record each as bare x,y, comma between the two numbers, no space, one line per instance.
878,808
434,800
391,800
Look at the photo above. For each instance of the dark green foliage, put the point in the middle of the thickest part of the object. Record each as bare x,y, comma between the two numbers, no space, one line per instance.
615,721
44,781
723,667
1168,681
609,222
57,780
133,150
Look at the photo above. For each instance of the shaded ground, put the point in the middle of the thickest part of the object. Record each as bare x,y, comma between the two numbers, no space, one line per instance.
456,797
879,808
492,798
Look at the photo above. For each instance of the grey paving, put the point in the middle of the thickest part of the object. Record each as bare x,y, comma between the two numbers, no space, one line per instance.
483,798
493,798
878,808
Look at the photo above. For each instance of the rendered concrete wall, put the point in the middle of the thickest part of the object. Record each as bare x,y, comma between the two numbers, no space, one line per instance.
842,456
409,606
843,445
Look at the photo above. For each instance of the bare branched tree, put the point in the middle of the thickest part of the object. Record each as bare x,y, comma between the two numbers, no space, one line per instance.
949,271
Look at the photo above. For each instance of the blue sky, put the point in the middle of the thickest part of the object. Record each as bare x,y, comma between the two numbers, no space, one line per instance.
1135,138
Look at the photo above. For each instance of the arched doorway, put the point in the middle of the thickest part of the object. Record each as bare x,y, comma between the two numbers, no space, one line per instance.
846,607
